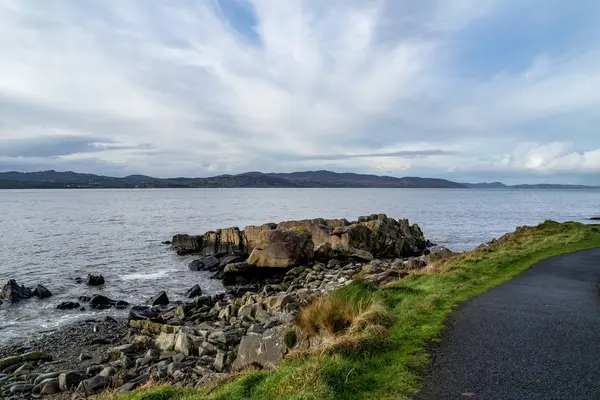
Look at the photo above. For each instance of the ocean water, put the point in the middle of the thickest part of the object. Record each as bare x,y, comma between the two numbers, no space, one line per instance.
53,236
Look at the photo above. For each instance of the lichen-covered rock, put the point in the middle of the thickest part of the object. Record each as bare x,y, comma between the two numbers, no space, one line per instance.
266,350
252,235
282,248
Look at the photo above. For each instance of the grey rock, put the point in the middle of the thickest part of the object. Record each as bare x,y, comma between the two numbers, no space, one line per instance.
93,385
195,291
67,305
51,386
14,292
266,350
21,388
174,366
70,380
94,370
41,292
95,280
220,362
209,263
135,383
43,377
84,357
160,299
108,372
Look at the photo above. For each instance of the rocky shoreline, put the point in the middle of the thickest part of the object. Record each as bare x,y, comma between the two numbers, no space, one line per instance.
269,272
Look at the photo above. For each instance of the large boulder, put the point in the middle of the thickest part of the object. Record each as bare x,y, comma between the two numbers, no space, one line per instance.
14,292
266,350
282,248
252,235
186,244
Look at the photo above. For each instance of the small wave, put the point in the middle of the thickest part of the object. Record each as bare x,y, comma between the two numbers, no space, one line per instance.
144,276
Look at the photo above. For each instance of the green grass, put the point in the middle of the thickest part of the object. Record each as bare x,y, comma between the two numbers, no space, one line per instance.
420,303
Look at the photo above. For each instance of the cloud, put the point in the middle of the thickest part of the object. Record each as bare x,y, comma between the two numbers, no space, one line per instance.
198,88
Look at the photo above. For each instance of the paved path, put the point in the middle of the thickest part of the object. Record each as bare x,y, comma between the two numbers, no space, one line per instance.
534,337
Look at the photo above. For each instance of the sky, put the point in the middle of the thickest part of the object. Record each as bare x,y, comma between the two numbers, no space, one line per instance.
468,90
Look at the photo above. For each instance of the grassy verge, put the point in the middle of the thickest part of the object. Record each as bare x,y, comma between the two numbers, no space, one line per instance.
419,304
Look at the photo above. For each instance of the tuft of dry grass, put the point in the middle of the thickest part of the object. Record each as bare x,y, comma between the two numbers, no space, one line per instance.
347,311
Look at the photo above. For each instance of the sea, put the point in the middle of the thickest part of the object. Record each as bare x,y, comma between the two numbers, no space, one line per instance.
53,237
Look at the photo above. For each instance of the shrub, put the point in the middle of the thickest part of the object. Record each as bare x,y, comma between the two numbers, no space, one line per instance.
290,339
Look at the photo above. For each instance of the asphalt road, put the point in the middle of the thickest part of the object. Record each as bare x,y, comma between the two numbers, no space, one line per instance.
534,337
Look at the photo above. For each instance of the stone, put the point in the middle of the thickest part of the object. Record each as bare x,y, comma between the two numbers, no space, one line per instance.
93,385
93,370
42,377
374,267
437,253
245,312
208,263
122,350
217,338
49,387
84,357
21,388
165,341
266,350
220,361
187,244
95,280
160,299
134,383
282,248
194,291
14,292
36,356
416,263
70,380
276,304
174,366
108,372
334,264
237,273
41,292
229,259
186,343
141,313
230,240
100,302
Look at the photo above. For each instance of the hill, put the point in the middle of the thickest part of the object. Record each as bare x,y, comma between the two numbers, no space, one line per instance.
314,179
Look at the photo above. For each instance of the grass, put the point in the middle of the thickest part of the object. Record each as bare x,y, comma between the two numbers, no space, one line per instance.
373,356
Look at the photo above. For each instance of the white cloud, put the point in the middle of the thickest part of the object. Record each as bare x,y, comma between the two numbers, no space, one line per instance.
180,91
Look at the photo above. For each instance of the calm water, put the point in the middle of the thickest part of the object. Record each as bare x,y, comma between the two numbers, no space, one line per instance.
52,236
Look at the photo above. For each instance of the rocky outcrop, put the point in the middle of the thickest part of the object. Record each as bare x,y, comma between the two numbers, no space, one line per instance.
293,242
95,280
282,248
266,349
14,292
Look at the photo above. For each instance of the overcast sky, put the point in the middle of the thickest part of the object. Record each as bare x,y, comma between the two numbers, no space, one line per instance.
470,90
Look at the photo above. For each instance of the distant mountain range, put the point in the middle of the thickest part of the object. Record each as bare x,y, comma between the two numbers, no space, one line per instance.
315,179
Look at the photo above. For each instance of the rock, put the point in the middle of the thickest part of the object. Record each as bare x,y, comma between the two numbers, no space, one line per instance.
416,263
84,357
14,292
122,350
195,291
334,264
237,273
99,341
220,361
135,383
277,304
100,302
41,292
95,280
595,219
93,385
21,388
85,299
93,370
8,361
165,341
282,248
438,253
186,343
266,350
209,263
141,313
42,377
70,380
108,372
217,338
68,305
174,367
186,244
166,242
230,259
374,267
160,299
51,386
